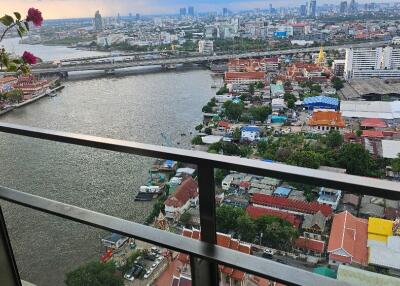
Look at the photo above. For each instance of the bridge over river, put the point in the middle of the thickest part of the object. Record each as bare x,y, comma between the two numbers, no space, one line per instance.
171,60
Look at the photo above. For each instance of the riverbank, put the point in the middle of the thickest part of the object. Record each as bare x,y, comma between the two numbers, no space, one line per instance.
29,101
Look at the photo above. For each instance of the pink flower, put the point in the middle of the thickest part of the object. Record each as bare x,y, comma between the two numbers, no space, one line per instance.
35,16
29,58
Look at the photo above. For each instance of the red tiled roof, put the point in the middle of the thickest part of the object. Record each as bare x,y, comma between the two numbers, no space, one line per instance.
373,122
310,244
327,118
348,239
224,240
224,124
186,191
244,75
256,212
289,204
372,134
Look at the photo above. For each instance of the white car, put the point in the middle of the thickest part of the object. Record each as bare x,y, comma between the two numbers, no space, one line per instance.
147,275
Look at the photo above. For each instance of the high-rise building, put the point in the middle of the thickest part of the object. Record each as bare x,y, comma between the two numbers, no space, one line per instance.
224,12
206,47
130,15
352,6
191,11
312,8
303,10
343,7
137,16
372,62
98,22
182,12
271,10
119,18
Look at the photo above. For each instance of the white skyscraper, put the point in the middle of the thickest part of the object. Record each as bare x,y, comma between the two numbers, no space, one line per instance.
372,62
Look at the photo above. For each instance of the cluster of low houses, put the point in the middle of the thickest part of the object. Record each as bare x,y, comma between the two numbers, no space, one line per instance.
29,86
378,120
337,229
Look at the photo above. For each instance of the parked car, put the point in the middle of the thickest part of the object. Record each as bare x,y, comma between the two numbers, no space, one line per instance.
130,274
148,273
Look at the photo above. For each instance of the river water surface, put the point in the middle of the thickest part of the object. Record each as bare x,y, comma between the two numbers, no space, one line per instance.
137,108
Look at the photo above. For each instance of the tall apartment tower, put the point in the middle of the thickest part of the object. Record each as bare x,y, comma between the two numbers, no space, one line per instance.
98,22
372,62
191,11
312,8
343,7
182,11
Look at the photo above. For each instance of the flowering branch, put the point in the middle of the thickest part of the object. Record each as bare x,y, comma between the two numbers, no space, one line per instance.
21,64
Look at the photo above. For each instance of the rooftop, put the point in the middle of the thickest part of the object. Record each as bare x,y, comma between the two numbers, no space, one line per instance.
327,118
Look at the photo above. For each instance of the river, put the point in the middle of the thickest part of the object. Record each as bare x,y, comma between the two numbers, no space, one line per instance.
137,107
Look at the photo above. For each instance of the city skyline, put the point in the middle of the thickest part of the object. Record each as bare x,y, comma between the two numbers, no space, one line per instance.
59,9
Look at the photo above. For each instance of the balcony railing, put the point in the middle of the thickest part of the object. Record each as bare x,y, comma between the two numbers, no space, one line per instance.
205,254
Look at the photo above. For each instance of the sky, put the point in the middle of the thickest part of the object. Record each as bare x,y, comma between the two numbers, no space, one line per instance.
58,9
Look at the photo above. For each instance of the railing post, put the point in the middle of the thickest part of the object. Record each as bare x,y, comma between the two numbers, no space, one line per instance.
205,272
9,275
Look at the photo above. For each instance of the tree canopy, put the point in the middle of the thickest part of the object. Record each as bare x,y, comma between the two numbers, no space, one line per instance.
94,274
233,110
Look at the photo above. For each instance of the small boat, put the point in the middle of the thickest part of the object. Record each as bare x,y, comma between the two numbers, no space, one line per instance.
213,86
53,94
150,189
183,134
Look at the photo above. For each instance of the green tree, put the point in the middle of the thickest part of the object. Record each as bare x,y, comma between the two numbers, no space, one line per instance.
222,90
316,87
355,159
251,88
396,164
185,218
291,103
337,83
308,159
260,113
199,127
226,217
215,147
208,131
259,85
262,147
197,140
334,139
233,110
246,228
94,274
230,149
220,174
236,134
245,151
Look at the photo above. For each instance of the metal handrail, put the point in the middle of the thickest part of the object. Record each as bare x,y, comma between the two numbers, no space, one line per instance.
206,251
218,254
345,182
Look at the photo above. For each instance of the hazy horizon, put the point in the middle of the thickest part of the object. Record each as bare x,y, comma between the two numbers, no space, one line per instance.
63,9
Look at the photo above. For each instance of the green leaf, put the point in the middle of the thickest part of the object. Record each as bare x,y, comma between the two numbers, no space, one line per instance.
24,69
7,20
17,15
26,25
17,61
12,67
19,33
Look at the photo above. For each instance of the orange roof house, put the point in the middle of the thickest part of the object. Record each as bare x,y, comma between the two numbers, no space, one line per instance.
327,119
348,240
224,240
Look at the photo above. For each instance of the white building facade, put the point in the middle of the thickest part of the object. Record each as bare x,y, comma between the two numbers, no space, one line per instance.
372,62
